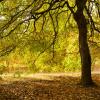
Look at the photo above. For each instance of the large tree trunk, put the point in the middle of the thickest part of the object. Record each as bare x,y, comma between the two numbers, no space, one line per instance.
80,19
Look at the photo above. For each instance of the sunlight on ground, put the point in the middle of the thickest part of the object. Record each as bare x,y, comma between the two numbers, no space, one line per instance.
8,78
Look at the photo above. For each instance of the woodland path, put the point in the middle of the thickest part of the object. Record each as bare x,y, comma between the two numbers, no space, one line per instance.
44,86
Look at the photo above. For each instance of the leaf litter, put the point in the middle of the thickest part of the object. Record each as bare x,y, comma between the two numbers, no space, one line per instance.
53,87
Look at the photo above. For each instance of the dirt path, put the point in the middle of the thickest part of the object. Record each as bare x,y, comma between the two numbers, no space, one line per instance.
46,86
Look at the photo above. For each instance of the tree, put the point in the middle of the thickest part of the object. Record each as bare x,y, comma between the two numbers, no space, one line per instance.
81,11
83,45
1,0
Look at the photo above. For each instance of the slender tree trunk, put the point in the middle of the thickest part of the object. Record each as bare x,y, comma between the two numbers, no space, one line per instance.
80,19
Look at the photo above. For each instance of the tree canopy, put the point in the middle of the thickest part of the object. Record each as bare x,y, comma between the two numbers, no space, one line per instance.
30,22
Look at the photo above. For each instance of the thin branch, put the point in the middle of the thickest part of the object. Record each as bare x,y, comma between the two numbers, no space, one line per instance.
91,21
14,18
1,37
7,50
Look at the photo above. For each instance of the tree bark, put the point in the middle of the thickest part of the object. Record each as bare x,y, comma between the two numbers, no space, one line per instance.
1,0
80,19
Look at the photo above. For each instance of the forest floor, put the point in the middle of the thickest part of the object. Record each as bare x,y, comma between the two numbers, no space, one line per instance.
43,86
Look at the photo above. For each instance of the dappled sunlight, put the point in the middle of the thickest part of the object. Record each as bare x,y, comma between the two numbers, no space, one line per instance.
7,78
